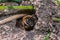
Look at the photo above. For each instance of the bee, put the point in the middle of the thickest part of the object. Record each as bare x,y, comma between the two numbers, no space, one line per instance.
27,22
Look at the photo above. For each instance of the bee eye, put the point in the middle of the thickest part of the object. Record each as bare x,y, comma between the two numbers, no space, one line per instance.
30,22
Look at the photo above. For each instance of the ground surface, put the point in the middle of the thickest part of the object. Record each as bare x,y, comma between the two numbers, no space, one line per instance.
45,11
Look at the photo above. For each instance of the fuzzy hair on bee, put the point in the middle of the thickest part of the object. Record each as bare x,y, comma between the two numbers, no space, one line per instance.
27,22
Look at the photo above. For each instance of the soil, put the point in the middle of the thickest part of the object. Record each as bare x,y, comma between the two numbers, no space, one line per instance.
46,10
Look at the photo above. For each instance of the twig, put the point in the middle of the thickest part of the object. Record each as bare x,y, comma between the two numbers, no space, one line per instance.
11,18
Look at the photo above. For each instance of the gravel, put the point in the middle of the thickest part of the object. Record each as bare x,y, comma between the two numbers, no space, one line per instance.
46,10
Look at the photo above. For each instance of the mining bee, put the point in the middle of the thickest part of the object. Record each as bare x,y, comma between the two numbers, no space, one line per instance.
27,22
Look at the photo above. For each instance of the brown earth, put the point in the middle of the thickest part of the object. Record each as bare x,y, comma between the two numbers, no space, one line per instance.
45,11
